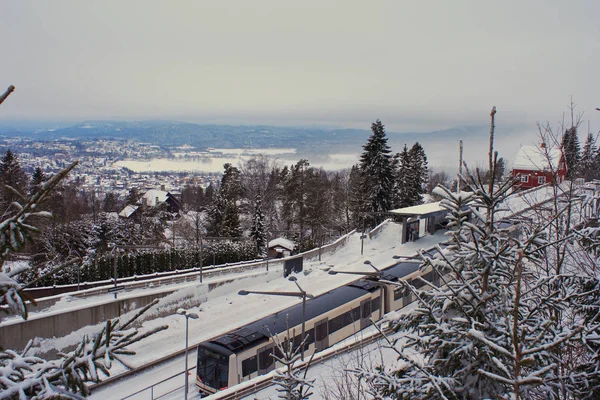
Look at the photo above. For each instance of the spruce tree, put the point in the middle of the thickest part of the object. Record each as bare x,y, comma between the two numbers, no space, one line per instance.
215,216
403,179
37,179
377,172
231,221
418,173
572,151
231,183
11,175
356,201
587,165
318,202
258,230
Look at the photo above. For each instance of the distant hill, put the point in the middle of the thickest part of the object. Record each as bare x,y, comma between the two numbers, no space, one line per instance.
441,146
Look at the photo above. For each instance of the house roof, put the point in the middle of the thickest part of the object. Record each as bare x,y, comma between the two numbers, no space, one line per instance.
153,195
282,242
420,210
128,210
534,158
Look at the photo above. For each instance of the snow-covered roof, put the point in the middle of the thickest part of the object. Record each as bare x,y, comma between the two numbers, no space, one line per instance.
422,209
282,242
154,197
128,210
534,158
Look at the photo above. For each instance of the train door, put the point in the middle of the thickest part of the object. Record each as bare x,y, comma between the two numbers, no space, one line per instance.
321,335
365,313
266,363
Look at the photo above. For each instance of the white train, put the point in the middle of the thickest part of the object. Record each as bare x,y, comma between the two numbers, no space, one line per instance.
245,353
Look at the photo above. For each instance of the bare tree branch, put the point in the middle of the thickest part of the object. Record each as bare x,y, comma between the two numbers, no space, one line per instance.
10,89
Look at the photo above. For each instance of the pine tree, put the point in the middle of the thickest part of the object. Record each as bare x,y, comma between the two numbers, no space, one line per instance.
377,172
403,180
231,221
11,175
294,192
215,216
231,183
587,165
356,201
37,179
258,229
500,169
110,202
572,152
318,202
418,173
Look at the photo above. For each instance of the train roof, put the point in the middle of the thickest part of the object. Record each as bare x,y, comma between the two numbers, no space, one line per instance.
273,324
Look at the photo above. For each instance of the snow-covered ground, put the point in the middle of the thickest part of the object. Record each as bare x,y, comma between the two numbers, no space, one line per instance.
224,310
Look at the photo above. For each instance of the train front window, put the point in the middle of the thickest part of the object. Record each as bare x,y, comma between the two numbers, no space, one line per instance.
213,368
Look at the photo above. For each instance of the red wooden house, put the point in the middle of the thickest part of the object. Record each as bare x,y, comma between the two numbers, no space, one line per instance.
535,166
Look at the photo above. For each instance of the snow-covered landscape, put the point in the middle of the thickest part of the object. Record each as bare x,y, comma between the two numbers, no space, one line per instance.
299,200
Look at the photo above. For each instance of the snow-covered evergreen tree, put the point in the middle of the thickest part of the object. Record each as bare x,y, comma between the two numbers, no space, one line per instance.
377,172
403,179
356,201
12,178
231,183
258,231
418,173
37,179
588,165
572,151
231,221
215,215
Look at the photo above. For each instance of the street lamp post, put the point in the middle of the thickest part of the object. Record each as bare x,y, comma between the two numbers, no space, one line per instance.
372,276
187,316
301,294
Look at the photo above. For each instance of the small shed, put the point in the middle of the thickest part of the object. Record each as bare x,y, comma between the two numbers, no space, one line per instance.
420,220
281,247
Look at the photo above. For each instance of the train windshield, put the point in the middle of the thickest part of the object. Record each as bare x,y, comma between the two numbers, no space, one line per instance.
212,368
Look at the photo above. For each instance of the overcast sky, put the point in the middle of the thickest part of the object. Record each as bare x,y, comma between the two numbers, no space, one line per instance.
416,65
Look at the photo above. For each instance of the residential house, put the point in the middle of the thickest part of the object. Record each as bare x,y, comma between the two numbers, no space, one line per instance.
535,166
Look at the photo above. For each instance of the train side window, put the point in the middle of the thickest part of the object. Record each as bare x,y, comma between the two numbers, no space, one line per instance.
264,358
249,366
356,314
321,332
311,336
366,311
398,292
336,324
375,303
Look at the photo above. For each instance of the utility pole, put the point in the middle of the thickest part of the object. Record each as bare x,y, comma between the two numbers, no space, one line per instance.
460,164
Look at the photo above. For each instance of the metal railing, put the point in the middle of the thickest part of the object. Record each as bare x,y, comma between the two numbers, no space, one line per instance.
153,386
